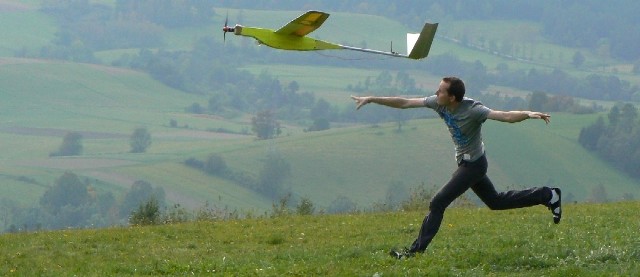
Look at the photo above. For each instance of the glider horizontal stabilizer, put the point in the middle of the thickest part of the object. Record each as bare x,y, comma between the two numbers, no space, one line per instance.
418,45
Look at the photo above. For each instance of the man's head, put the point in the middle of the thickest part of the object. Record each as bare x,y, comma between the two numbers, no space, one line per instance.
456,87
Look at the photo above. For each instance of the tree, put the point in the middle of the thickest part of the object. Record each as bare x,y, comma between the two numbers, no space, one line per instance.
538,101
614,116
342,204
636,68
140,140
578,59
140,193
628,116
590,135
148,213
215,165
265,126
273,174
67,190
305,207
71,145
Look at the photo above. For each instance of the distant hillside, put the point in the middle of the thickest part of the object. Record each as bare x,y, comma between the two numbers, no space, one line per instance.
43,100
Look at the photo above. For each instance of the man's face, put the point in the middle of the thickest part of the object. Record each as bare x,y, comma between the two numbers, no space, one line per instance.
444,99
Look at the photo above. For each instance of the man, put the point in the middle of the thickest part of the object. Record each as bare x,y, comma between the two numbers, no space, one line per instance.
464,117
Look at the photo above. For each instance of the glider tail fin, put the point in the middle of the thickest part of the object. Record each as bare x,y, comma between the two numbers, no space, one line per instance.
418,45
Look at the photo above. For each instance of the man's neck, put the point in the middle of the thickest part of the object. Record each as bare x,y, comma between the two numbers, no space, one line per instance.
453,106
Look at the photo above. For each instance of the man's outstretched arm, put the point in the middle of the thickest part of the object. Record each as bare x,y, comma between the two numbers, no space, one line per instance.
517,116
394,102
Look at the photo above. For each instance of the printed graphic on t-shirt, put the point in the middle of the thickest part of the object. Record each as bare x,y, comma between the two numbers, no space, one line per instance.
456,132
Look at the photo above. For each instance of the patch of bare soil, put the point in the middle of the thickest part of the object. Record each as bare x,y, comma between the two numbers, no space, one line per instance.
51,132
113,70
12,6
197,134
74,163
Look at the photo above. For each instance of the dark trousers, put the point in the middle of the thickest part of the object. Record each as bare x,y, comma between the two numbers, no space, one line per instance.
474,175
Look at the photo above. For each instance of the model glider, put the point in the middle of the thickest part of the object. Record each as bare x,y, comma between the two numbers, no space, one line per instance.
293,36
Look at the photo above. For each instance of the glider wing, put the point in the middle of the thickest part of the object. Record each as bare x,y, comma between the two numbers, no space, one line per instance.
304,24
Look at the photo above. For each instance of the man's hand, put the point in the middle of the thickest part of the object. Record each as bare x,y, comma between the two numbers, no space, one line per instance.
539,115
361,101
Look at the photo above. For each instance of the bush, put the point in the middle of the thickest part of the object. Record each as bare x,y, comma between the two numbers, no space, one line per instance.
305,207
147,213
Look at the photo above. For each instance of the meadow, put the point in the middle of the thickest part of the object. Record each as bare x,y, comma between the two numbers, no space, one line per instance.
45,100
591,240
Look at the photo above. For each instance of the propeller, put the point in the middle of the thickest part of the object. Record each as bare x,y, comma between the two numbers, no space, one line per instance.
226,28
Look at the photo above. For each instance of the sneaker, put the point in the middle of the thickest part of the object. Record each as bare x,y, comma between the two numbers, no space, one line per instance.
399,254
555,205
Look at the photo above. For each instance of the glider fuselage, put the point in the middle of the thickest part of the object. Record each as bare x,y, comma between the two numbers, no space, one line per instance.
284,41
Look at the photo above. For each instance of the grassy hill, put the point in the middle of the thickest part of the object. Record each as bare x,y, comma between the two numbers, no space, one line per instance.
591,240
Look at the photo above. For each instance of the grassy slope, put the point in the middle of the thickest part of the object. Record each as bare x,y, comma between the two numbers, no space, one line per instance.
592,240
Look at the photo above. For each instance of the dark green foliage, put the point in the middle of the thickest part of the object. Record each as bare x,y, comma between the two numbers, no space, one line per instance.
342,204
590,135
578,59
67,190
319,124
147,213
139,193
619,141
275,171
305,207
281,208
71,145
69,203
140,140
215,165
265,125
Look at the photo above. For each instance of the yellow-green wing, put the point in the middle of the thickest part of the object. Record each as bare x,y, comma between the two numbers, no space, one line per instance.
304,24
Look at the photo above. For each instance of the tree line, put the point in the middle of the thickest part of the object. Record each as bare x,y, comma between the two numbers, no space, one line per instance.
76,202
616,139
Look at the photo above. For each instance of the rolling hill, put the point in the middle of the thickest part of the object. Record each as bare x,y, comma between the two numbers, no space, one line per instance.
45,99
42,100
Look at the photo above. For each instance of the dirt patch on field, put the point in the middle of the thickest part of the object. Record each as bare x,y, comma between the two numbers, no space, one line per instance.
51,132
11,6
197,134
113,70
10,61
75,163
178,133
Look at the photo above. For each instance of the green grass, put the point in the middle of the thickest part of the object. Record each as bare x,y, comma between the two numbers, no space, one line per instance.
591,240
24,29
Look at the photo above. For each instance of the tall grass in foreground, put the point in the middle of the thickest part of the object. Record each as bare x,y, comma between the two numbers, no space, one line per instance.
592,240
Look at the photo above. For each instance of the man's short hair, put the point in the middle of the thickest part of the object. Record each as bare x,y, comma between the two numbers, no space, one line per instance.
456,87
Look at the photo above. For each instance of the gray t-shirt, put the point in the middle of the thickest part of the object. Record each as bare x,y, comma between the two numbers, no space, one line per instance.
464,125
